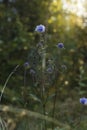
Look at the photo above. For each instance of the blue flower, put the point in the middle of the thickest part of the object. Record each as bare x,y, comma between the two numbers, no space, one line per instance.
40,28
26,65
63,67
49,70
83,101
60,45
32,72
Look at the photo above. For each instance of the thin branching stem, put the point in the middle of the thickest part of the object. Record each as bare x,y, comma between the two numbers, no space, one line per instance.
7,81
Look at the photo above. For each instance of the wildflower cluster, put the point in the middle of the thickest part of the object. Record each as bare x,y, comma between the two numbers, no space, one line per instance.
41,29
43,68
40,54
39,62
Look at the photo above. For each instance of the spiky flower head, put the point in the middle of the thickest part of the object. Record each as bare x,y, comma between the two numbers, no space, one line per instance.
26,65
40,28
83,101
60,45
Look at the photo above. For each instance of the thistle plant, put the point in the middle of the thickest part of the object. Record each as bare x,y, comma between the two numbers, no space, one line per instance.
44,69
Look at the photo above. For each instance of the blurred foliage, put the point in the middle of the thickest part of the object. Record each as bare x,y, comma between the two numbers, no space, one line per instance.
18,19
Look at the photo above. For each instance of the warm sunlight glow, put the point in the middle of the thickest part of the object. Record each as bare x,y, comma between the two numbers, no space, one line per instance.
74,6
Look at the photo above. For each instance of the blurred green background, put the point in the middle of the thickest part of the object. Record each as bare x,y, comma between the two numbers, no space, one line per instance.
65,21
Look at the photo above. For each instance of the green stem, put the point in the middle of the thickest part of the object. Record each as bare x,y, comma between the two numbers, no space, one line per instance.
43,79
25,89
23,112
7,81
3,125
54,106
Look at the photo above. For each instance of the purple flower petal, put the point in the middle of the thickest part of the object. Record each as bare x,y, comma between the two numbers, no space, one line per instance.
83,100
26,65
60,45
40,28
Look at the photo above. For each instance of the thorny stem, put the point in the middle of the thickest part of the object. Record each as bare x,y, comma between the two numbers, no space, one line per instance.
43,84
7,81
43,78
43,68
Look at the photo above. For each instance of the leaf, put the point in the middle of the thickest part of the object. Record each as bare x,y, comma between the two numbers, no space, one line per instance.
84,78
82,92
34,97
82,84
